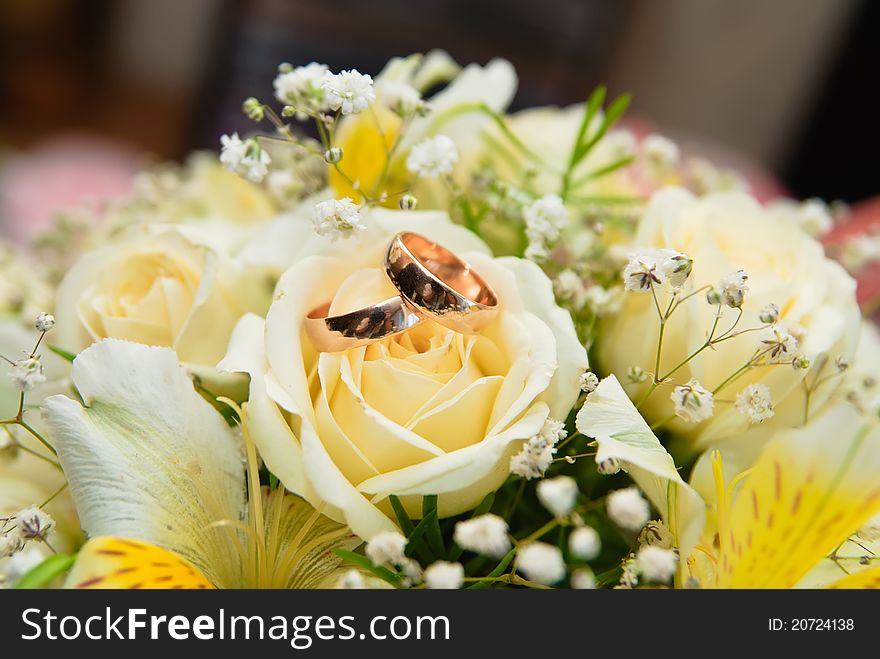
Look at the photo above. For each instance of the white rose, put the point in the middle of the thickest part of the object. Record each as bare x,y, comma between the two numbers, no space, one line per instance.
157,285
724,233
427,412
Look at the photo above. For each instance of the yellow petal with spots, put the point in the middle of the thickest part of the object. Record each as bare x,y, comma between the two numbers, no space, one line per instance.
108,562
865,579
810,489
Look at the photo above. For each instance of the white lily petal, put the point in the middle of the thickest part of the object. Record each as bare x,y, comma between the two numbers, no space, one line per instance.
612,420
147,457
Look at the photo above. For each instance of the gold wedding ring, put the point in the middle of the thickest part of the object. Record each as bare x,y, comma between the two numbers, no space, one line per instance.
438,284
358,328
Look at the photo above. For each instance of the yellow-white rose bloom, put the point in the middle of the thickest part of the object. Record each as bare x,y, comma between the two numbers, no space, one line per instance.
159,285
426,412
723,233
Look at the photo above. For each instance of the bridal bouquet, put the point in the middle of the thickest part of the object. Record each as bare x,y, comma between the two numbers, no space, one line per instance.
397,337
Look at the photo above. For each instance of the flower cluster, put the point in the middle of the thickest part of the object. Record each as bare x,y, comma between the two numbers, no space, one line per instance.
669,360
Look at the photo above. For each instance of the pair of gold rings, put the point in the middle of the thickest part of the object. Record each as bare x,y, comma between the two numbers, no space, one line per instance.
433,283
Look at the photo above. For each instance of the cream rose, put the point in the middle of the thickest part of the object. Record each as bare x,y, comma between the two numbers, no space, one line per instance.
723,233
158,285
427,412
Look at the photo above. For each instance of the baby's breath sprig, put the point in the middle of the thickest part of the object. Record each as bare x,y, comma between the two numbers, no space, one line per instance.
26,374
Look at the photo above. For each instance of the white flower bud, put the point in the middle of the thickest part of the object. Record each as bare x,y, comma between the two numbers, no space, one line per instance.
27,373
583,579
333,155
486,534
32,524
800,363
636,374
589,381
386,548
628,509
558,495
657,564
769,314
541,562
733,289
44,322
408,202
713,296
443,575
585,543
352,580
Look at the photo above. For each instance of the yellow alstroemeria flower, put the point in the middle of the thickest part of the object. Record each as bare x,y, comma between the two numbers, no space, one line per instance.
375,143
808,493
158,479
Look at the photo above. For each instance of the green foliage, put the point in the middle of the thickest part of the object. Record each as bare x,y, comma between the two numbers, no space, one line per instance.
43,574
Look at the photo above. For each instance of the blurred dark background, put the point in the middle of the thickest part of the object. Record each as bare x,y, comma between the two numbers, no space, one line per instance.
786,84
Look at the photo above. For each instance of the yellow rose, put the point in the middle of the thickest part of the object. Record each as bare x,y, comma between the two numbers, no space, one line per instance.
426,412
158,285
723,233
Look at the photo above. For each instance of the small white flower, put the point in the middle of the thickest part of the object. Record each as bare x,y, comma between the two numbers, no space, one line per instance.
348,91
558,495
32,524
583,579
44,322
232,151
536,455
642,272
444,575
657,564
733,288
541,562
247,159
778,344
302,87
677,267
486,534
553,430
387,548
545,218
585,543
27,373
432,157
338,218
769,314
628,509
693,402
661,152
588,382
401,98
629,576
352,580
754,402
333,155
656,533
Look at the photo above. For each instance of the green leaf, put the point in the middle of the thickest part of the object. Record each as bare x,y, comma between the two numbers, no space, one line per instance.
403,519
614,112
497,572
41,575
434,535
365,563
594,102
64,354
